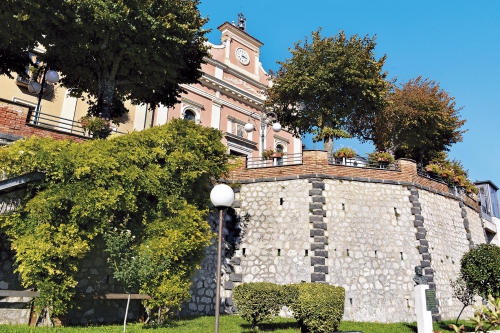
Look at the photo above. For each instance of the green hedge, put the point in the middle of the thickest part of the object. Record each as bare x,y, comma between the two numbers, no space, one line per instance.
258,301
317,307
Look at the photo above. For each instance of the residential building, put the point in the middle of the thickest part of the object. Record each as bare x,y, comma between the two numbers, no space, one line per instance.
489,209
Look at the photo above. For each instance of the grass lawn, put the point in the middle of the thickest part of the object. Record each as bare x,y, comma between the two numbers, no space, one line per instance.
228,324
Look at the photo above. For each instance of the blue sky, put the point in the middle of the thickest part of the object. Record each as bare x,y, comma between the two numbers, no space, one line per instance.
456,43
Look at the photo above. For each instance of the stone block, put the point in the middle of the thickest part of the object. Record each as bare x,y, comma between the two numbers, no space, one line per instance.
468,236
460,204
420,236
318,185
416,205
413,198
425,263
229,301
321,239
428,271
426,256
414,193
317,246
236,261
319,199
418,224
466,224
319,225
321,269
318,277
236,204
315,205
464,213
416,211
419,218
424,242
315,218
235,277
321,253
319,212
315,192
423,249
229,285
422,231
316,232
317,261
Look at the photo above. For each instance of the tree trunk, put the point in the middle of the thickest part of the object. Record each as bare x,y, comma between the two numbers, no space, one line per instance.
328,145
108,92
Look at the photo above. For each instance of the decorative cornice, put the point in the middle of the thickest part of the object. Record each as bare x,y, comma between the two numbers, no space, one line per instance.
278,137
237,92
239,138
233,31
192,103
235,120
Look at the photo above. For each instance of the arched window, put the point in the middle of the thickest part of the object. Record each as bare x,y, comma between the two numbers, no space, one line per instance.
279,149
189,115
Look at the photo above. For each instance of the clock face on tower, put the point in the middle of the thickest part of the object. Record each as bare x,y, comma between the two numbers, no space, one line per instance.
242,56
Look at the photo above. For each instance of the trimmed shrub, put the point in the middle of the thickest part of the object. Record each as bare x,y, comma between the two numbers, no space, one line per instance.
317,307
480,269
258,301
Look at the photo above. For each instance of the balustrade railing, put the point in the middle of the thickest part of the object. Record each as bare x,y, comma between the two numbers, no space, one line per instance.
284,160
49,121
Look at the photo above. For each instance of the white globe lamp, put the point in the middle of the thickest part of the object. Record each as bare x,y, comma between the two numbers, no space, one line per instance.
222,196
276,127
34,87
249,127
51,76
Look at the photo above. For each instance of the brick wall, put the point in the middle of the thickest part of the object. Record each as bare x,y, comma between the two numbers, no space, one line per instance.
315,164
13,123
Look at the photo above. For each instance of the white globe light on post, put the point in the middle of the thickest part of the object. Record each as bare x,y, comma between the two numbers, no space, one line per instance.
249,127
276,127
222,197
34,87
51,76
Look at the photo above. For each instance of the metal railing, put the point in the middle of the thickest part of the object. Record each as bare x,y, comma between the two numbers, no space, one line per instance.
49,121
288,159
423,173
360,162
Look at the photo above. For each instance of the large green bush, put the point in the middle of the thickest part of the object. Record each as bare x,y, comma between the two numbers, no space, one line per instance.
317,307
258,301
480,269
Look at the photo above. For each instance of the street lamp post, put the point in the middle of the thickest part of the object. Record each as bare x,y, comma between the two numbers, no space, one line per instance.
34,87
265,118
222,197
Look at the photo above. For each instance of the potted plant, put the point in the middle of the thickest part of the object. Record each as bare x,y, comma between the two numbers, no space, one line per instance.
266,154
344,152
97,126
381,158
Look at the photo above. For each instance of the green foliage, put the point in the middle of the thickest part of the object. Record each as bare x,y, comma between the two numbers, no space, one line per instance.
480,269
331,86
420,120
112,50
97,126
452,173
318,307
462,293
153,183
380,157
258,301
345,152
487,317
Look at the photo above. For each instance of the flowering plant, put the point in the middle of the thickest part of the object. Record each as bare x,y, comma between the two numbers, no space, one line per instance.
344,152
99,127
381,156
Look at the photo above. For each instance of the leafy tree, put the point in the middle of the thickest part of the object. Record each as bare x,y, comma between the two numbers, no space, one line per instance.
331,86
118,50
153,183
16,37
420,120
463,294
480,269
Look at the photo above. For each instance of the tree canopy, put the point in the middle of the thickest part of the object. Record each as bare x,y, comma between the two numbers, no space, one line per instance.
154,183
420,121
331,86
111,50
480,269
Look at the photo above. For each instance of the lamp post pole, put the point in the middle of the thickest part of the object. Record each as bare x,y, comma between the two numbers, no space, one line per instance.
222,197
249,127
34,87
